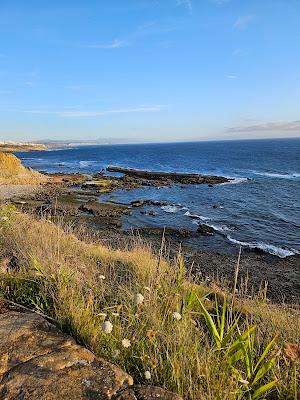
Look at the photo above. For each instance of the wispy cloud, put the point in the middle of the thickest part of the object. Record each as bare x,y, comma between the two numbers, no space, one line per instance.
77,113
231,77
243,22
81,87
6,92
220,2
292,126
185,3
115,44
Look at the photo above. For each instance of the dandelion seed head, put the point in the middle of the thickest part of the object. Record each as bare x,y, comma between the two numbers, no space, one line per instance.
139,298
176,315
107,327
126,343
147,375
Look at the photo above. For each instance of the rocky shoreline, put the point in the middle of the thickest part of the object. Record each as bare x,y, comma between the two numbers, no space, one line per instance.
77,198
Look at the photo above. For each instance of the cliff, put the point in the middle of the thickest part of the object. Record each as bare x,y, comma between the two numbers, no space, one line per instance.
12,172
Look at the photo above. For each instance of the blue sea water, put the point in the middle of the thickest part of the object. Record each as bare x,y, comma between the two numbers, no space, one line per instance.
262,212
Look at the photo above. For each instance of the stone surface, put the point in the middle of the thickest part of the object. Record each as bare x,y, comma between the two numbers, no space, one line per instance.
39,362
140,392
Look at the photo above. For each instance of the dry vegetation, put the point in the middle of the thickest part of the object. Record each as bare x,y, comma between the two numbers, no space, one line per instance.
150,316
13,172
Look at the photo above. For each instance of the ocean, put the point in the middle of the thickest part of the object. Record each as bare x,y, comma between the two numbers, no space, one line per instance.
260,208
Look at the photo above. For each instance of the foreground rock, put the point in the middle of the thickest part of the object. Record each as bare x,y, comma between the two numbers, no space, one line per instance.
12,172
38,362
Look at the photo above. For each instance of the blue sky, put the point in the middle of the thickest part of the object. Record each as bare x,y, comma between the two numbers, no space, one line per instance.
149,70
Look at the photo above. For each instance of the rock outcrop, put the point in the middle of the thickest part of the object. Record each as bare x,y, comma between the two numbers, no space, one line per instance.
169,177
39,362
12,172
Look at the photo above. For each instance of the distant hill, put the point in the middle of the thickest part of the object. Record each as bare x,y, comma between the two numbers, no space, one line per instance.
12,172
15,147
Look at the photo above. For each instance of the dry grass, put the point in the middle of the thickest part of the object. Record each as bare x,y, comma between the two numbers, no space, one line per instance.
62,276
13,172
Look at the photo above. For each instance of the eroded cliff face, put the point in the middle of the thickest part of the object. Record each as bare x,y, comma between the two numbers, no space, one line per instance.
12,172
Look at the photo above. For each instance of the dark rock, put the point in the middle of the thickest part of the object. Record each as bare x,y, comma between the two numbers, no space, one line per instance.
168,178
137,203
205,230
153,393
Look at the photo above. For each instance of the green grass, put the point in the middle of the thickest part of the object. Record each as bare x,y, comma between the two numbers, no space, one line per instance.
222,347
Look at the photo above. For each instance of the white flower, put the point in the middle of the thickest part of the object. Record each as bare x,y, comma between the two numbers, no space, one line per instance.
139,298
147,375
147,288
102,277
115,353
126,343
176,315
107,327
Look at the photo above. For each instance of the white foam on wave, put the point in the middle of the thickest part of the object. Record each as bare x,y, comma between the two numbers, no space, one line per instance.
220,228
269,248
233,180
196,216
85,164
170,208
31,159
294,175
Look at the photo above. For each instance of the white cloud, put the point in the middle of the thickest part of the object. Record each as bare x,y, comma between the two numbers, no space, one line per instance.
292,126
115,44
186,3
242,22
77,113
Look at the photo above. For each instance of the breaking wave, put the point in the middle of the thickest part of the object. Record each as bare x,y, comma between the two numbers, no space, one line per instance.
269,248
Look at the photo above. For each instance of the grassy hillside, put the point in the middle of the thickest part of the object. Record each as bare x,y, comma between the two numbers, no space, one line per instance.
13,172
149,316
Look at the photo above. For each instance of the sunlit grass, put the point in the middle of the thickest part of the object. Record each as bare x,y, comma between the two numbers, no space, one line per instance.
149,316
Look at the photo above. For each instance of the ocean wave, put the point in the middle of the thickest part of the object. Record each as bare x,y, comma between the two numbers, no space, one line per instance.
170,208
31,159
269,248
233,180
219,228
293,175
196,216
85,164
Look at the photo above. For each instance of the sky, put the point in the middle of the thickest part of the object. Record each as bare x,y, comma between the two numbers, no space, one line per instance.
149,70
